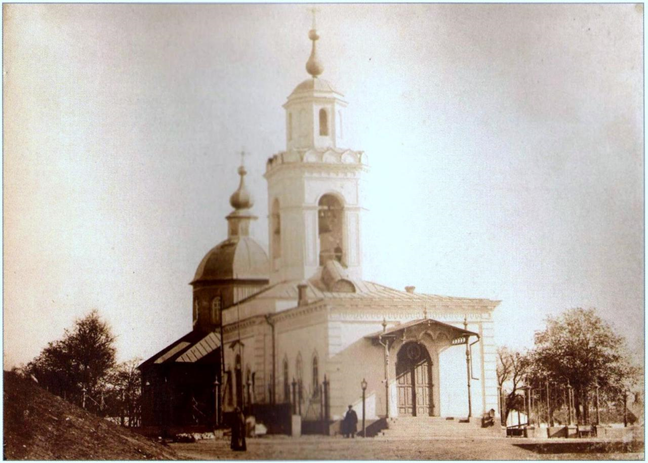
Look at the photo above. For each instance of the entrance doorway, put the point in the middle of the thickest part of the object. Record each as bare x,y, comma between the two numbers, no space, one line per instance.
414,380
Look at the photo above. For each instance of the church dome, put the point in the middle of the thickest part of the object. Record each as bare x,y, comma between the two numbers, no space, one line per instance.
240,258
314,85
241,198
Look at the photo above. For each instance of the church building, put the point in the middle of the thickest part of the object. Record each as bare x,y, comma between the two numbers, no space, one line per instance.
296,331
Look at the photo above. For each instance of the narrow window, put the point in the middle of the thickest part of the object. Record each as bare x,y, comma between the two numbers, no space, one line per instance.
286,381
315,377
323,122
290,126
216,310
299,374
276,230
340,124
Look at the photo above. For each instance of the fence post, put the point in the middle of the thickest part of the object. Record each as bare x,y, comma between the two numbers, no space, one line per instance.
327,403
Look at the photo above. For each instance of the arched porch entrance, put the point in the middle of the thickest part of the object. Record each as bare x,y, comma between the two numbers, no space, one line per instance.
414,380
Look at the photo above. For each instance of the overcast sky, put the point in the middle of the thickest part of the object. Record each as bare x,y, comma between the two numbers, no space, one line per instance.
505,144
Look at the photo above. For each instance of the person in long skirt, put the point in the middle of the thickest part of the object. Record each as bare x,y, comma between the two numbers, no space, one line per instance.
238,431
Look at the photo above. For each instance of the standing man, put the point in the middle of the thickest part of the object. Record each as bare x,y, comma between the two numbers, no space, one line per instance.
351,422
238,431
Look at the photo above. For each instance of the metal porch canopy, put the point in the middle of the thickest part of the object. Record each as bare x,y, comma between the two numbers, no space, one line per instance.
460,335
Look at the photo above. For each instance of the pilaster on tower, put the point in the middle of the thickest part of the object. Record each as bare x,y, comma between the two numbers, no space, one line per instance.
314,186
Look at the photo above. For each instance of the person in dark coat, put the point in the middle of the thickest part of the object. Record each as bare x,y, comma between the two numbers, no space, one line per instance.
238,431
350,423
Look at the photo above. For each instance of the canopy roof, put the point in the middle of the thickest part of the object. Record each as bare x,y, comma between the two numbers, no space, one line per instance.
191,348
460,335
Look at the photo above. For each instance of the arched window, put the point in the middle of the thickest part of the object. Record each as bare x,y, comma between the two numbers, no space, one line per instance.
299,368
330,216
299,373
315,377
286,381
290,126
195,312
216,310
323,122
276,230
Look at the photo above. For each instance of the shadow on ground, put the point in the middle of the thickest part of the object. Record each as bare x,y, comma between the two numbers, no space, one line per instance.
583,447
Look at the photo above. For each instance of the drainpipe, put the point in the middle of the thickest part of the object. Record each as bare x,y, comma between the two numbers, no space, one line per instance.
274,363
386,361
468,377
469,374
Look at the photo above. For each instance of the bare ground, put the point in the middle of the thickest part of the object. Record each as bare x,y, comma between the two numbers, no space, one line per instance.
335,448
40,426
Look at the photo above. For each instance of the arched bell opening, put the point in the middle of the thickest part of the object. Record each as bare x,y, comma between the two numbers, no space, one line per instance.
414,380
330,226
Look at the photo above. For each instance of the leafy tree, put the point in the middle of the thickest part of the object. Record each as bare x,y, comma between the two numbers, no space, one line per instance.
123,395
512,367
580,349
76,366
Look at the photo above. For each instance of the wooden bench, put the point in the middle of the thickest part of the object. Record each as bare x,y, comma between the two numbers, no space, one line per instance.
516,431
586,430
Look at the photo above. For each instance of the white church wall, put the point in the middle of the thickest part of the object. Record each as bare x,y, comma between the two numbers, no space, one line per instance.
453,392
489,354
305,335
352,358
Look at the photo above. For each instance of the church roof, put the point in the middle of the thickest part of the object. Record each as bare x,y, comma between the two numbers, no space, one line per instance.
364,290
237,258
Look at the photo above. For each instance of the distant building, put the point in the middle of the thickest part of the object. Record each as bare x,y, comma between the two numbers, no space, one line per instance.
300,329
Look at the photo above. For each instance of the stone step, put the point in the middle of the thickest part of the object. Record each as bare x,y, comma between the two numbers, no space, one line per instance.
437,427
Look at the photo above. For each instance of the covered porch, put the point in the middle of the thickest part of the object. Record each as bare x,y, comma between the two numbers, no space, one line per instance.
415,381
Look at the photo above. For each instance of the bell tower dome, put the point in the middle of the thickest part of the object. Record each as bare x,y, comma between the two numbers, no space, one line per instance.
314,186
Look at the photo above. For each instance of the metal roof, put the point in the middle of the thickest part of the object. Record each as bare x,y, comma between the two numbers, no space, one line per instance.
236,258
459,333
190,348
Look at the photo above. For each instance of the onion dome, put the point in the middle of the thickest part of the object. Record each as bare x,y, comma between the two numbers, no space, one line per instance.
314,66
239,257
234,259
241,199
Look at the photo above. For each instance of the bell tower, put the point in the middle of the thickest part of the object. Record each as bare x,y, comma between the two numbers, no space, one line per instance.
314,186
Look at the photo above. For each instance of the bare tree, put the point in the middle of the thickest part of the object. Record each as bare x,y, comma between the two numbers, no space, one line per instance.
124,391
512,366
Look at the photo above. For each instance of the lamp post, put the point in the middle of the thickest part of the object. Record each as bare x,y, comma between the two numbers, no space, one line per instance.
216,403
363,384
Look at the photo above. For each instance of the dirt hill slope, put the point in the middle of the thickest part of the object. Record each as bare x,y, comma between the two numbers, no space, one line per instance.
42,426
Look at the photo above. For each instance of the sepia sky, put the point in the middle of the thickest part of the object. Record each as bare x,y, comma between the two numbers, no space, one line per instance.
505,145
